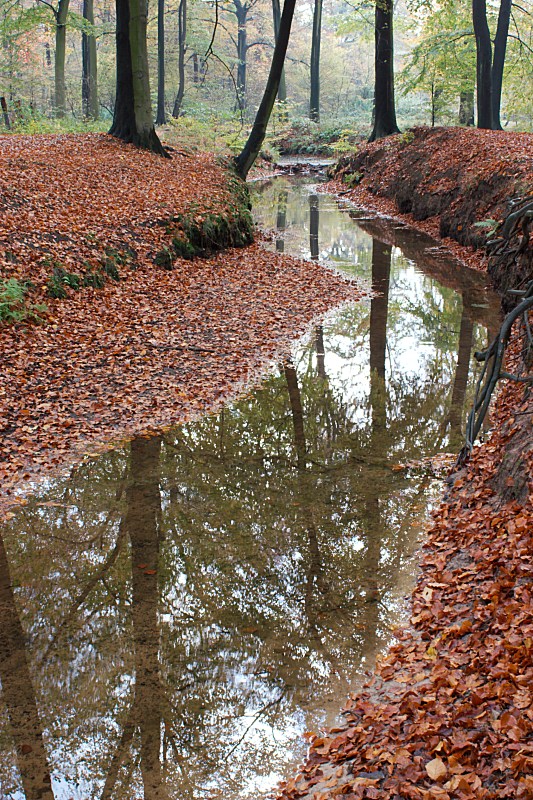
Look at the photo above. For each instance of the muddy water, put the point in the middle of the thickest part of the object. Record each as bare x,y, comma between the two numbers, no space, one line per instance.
175,614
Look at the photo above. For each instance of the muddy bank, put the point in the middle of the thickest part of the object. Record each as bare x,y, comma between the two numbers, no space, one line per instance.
459,184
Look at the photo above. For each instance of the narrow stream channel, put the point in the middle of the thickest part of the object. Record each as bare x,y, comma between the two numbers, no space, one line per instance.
177,613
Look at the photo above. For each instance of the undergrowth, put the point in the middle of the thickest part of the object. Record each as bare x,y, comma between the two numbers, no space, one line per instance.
14,306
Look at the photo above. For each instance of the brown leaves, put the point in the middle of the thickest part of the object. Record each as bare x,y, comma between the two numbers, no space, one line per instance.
153,349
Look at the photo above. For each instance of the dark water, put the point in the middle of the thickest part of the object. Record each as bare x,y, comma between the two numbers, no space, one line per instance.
175,614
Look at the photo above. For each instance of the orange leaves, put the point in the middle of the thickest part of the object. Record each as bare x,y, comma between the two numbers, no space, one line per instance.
154,348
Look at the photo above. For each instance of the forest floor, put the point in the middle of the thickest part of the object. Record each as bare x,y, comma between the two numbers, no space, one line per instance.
448,713
146,351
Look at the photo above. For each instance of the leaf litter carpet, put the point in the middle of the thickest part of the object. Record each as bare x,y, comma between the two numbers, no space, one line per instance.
152,350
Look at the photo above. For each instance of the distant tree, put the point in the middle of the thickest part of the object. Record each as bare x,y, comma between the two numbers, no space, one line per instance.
384,107
182,44
160,118
60,12
132,120
251,149
276,13
89,84
314,102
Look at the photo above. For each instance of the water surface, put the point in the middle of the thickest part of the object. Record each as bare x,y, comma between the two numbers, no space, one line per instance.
176,613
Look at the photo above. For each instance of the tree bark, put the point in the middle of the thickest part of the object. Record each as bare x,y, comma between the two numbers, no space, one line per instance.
483,64
132,120
60,97
241,11
251,149
276,13
314,100
160,118
466,108
89,86
384,106
498,61
182,38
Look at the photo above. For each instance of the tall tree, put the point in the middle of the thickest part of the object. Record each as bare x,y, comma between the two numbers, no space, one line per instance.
132,120
314,102
483,64
384,107
89,85
182,44
276,13
160,118
250,151
60,13
498,61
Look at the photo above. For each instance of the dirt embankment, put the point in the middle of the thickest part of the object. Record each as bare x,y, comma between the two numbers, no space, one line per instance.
453,182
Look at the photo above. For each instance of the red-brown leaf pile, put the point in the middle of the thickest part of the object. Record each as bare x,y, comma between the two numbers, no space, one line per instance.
447,178
449,713
153,349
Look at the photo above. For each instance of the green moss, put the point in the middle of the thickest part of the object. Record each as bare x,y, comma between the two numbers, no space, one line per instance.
198,233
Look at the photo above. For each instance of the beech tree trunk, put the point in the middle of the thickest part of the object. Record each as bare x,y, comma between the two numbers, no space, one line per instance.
466,108
241,11
60,93
384,107
160,117
314,101
132,120
483,64
89,85
498,62
276,13
182,37
251,149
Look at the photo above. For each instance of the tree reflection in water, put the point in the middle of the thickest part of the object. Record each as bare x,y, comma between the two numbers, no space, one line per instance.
185,607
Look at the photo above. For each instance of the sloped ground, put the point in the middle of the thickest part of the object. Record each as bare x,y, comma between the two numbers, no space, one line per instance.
153,348
455,183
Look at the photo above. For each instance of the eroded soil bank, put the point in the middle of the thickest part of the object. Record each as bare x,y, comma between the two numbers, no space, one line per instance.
148,346
454,183
448,713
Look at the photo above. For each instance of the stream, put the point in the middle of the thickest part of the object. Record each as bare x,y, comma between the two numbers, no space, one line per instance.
177,613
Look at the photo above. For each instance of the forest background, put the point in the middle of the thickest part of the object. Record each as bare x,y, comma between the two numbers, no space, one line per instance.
209,62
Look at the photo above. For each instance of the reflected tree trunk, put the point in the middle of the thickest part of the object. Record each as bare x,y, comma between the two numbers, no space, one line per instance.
19,696
373,523
313,225
142,524
281,220
460,382
379,305
320,352
296,413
